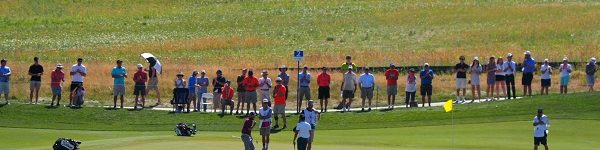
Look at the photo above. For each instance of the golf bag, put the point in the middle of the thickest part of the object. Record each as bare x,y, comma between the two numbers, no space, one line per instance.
66,144
182,129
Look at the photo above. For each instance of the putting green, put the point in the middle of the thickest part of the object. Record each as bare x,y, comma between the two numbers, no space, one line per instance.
564,134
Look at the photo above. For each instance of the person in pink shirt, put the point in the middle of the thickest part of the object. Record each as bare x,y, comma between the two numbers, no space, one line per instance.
57,78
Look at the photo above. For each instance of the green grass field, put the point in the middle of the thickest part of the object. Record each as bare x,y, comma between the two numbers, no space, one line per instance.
494,125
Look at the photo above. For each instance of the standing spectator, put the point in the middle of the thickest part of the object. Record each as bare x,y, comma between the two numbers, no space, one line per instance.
324,80
153,83
5,80
528,70
251,84
246,137
192,83
78,73
304,91
500,83
366,83
411,87
348,88
426,76
285,79
490,68
509,72
279,95
265,115
461,79
57,78
312,117
590,72
344,66
565,75
218,83
119,73
391,76
227,98
264,84
540,130
302,133
475,71
35,71
241,90
546,70
203,83
140,78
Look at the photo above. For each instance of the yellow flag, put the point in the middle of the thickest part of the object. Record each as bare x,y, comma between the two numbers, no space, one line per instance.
448,106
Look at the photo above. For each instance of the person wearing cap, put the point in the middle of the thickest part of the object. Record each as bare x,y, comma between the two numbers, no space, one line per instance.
246,136
426,76
227,98
345,66
78,73
241,91
251,84
57,77
366,82
202,83
5,74
192,82
285,79
391,76
279,96
153,82
348,88
546,76
461,79
528,70
302,133
509,68
590,74
265,115
324,80
140,77
35,71
411,88
264,85
475,70
304,90
565,75
218,83
500,83
119,73
541,123
490,68
312,117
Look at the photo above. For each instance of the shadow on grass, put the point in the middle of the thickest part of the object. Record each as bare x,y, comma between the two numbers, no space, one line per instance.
386,110
51,107
110,108
76,107
2,105
134,109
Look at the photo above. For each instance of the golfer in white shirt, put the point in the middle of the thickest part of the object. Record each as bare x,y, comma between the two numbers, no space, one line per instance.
540,130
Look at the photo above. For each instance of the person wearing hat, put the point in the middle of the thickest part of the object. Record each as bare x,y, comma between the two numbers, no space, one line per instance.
312,117
509,68
241,91
411,88
590,73
5,73
345,66
546,76
251,84
57,77
180,86
324,81
461,79
179,81
227,98
218,83
192,82
35,71
265,115
348,88
264,85
565,75
426,76
285,79
202,83
78,73
391,76
528,70
140,78
366,82
246,136
490,69
475,70
279,96
119,73
541,123
304,90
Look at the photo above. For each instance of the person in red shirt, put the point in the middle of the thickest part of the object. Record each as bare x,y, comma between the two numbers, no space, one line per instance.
323,80
57,78
391,75
140,78
251,84
279,94
227,98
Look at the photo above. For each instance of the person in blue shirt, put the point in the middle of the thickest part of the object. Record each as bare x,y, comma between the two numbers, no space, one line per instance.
119,73
528,70
202,83
4,80
285,79
426,76
304,90
192,88
366,83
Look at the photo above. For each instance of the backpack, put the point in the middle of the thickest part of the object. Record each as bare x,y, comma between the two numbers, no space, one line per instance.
66,144
182,129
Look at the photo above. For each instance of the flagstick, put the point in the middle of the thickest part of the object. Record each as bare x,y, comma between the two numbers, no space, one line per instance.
452,114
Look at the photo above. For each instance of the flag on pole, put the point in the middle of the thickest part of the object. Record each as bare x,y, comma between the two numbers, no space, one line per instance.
448,106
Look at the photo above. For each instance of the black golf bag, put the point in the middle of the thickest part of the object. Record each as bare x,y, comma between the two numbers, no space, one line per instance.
66,144
182,129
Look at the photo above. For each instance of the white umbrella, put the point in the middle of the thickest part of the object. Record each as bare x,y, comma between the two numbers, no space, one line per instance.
153,61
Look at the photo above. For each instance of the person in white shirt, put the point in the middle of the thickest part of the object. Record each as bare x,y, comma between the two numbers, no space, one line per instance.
265,115
264,85
475,72
500,81
312,117
509,73
348,88
366,83
546,71
541,123
565,75
302,133
78,73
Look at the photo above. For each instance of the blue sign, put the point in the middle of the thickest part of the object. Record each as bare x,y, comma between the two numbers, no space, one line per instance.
298,55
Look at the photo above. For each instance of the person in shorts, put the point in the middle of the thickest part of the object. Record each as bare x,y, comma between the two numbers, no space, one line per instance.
57,77
475,70
302,133
202,85
490,68
344,66
500,81
246,136
218,83
324,80
5,73
546,71
119,73
227,98
461,79
565,75
391,76
304,90
153,83
590,74
411,87
140,78
528,71
540,130
312,117
279,96
241,91
265,115
251,84
348,88
426,76
192,84
35,71
366,82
